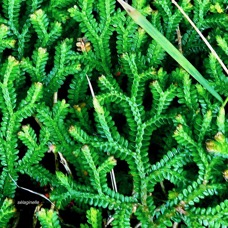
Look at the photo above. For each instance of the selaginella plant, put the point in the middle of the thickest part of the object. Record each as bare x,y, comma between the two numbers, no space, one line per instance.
148,147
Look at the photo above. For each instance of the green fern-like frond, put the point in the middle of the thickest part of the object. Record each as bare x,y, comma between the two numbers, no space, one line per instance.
219,146
223,44
35,152
27,106
148,148
97,31
7,211
58,73
211,216
215,71
5,41
48,218
78,88
10,72
122,217
203,125
54,121
161,99
40,23
94,217
12,11
37,72
84,194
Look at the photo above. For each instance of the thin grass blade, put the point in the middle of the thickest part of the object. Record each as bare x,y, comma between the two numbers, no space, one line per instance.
168,47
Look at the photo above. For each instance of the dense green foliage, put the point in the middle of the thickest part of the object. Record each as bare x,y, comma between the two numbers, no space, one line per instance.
163,136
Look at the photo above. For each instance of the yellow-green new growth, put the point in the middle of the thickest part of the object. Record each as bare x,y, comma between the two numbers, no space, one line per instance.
168,47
